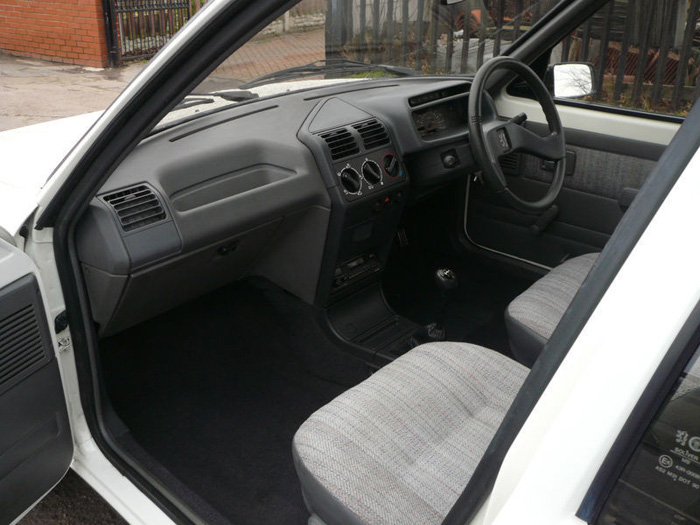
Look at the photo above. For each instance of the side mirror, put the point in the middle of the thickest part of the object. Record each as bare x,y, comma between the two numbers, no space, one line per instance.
571,79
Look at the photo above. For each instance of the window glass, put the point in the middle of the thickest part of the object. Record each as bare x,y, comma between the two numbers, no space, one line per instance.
645,54
661,483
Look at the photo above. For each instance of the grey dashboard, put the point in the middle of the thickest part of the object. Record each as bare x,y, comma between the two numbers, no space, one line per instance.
290,187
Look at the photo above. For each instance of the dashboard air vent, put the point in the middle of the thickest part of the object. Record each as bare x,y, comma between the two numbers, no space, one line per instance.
136,207
373,133
341,143
21,345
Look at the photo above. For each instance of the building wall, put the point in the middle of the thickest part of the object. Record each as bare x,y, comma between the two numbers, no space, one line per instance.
69,31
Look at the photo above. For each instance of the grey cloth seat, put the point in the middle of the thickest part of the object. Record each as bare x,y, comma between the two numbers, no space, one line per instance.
401,446
532,316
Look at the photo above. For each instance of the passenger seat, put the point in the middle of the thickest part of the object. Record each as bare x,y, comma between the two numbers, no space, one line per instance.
532,316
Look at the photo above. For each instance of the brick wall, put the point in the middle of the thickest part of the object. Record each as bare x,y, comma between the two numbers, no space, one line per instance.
70,31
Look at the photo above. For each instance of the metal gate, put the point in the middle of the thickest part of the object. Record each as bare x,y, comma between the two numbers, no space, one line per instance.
137,29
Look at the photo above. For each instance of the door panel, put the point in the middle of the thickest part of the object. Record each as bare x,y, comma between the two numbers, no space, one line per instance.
36,446
592,119
606,174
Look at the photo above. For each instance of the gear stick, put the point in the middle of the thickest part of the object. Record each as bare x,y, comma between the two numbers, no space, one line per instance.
446,281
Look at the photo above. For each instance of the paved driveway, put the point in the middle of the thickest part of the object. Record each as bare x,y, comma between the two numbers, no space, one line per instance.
35,91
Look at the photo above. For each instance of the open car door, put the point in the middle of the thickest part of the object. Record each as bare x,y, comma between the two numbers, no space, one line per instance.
36,446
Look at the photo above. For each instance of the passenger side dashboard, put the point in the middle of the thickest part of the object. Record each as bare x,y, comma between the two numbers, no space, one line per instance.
306,189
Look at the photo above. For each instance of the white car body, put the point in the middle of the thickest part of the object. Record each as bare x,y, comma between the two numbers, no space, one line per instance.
582,410
26,171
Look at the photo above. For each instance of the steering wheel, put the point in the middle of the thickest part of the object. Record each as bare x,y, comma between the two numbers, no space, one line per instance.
491,137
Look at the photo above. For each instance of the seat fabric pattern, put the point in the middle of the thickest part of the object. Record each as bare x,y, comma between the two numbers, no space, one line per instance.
401,446
541,307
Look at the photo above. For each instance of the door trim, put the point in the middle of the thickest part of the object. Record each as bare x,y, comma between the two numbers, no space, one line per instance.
470,181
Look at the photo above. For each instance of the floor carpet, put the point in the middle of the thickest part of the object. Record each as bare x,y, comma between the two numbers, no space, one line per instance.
215,390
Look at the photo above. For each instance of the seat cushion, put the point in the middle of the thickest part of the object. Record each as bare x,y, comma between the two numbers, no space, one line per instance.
532,316
401,446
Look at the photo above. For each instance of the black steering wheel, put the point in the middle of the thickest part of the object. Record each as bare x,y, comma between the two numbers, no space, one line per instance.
491,137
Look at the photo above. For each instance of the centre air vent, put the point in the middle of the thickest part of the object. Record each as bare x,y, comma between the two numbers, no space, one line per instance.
373,133
136,207
341,143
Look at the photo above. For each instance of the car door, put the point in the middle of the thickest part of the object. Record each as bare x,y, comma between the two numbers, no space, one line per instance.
604,174
36,446
643,83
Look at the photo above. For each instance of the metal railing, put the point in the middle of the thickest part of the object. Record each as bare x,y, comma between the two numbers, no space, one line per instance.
139,28
425,35
646,53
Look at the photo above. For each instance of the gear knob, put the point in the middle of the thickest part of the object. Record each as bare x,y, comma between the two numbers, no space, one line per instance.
446,279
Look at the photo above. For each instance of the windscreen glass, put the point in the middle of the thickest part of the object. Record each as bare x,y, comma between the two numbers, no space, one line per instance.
321,42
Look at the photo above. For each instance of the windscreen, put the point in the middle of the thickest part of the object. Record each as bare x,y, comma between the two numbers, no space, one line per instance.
321,42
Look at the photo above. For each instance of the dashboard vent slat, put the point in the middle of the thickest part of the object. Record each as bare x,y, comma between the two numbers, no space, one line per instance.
373,133
21,345
136,207
341,143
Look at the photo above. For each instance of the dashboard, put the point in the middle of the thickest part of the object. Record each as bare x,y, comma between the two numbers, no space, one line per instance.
305,189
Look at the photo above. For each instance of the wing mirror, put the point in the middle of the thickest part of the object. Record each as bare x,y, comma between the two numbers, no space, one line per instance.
571,80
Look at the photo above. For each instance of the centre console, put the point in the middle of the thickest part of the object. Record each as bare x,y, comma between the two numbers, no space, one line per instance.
349,272
364,159
368,185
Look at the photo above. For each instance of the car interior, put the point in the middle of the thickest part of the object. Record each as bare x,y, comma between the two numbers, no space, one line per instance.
245,268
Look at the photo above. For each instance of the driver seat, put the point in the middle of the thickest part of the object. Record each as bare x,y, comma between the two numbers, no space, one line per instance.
401,446
532,316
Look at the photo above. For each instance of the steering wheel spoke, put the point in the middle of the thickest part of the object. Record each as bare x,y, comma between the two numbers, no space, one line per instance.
523,140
